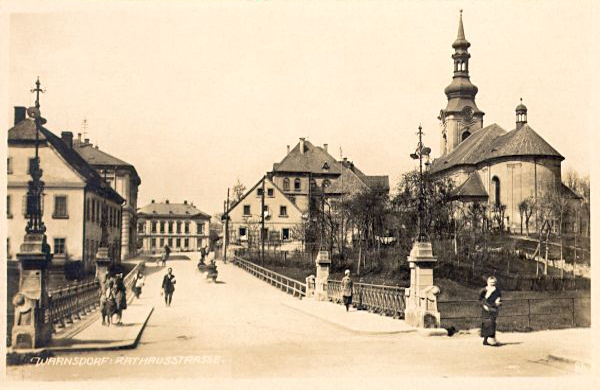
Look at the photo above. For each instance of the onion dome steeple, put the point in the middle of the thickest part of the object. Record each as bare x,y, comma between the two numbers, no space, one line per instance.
461,92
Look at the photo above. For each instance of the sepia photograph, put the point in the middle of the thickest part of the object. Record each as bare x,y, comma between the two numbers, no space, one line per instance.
293,194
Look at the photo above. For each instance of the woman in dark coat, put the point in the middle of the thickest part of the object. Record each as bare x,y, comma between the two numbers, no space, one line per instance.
120,298
490,300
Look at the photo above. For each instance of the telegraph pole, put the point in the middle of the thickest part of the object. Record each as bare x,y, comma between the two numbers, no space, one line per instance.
262,222
226,235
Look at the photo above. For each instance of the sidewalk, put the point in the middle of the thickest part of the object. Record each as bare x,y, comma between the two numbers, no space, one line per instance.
357,321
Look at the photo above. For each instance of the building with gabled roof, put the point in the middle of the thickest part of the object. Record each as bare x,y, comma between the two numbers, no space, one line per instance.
74,196
180,226
489,164
295,190
123,178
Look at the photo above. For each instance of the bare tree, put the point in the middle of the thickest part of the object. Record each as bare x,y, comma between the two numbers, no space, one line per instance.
238,190
526,210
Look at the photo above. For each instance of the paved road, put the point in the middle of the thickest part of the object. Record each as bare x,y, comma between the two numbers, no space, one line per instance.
240,328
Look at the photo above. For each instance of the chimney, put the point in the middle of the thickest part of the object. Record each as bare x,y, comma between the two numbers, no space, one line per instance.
78,139
185,202
325,147
67,137
167,201
86,141
20,114
288,149
302,146
96,147
152,201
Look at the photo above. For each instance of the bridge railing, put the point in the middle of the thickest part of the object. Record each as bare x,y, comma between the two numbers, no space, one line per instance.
386,300
282,282
71,304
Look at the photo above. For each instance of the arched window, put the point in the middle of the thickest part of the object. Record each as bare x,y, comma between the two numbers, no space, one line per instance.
326,183
286,184
465,135
297,186
496,183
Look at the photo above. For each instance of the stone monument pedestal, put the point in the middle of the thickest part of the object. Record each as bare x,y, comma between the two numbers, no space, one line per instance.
30,329
102,265
323,263
421,298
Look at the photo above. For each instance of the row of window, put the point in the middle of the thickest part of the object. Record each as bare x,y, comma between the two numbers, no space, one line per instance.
284,235
173,243
297,186
93,212
170,227
60,210
282,210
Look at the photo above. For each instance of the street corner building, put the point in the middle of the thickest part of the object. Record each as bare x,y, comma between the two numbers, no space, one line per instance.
306,181
488,165
181,226
122,177
73,198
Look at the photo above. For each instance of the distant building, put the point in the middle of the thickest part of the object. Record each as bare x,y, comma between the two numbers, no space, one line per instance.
123,178
488,164
74,195
181,226
294,192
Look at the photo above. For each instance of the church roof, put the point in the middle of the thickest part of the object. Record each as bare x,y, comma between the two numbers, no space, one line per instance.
523,141
470,151
173,210
493,142
24,133
471,189
311,161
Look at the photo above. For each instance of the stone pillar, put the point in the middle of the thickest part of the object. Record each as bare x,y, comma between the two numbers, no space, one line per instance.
323,263
30,329
421,301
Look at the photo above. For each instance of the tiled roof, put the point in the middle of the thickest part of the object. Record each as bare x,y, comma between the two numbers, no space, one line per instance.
95,156
472,188
521,142
377,182
24,133
470,151
494,142
348,182
172,209
312,160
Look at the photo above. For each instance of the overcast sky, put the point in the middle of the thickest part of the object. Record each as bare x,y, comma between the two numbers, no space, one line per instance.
197,95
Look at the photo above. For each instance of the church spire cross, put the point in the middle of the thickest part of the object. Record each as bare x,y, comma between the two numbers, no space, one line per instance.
37,91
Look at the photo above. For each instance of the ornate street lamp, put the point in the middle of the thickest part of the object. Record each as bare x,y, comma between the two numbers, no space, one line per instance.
422,151
30,328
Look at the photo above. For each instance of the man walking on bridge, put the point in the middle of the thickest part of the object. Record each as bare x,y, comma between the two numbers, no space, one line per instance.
168,286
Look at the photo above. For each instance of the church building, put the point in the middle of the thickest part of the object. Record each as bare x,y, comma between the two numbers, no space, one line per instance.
487,163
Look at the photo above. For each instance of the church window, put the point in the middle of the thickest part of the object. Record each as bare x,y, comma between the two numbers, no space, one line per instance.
286,184
496,183
297,186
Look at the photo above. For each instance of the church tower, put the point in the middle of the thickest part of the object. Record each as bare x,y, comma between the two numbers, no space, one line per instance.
461,117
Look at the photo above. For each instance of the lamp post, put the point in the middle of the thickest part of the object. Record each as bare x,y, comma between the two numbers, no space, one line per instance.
30,328
421,297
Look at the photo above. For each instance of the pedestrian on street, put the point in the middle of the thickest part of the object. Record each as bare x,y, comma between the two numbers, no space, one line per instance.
347,289
166,255
202,255
490,298
138,283
107,302
168,286
120,298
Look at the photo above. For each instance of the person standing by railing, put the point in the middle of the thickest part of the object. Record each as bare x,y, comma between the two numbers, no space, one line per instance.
347,289
120,298
490,300
138,283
